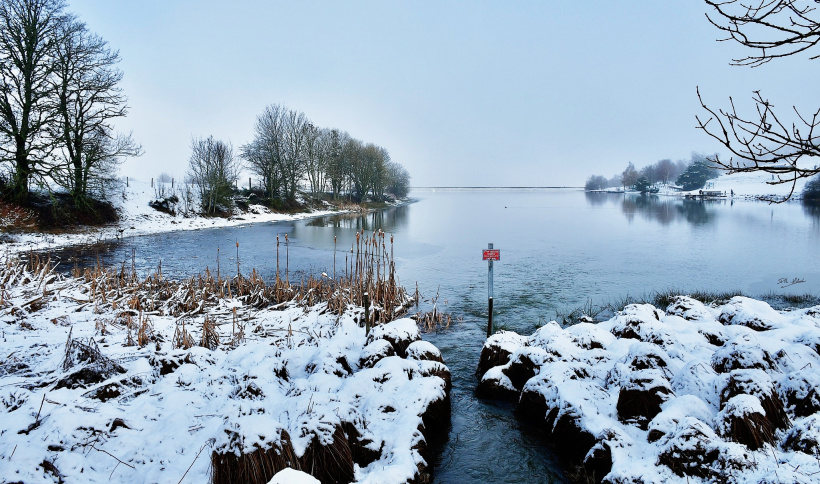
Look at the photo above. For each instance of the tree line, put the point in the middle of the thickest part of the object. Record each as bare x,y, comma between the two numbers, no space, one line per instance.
289,151
59,98
689,174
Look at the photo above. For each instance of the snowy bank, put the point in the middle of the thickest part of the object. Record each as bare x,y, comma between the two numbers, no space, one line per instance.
689,394
137,217
106,378
741,186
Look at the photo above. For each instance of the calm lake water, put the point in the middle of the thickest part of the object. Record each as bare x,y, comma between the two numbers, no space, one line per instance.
559,249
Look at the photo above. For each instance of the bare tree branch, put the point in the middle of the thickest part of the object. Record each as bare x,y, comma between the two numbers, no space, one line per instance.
785,27
765,141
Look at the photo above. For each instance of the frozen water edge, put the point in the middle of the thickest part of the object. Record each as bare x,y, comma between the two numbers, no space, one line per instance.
295,379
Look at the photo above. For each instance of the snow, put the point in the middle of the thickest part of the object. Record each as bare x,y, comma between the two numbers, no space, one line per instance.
138,218
158,412
762,358
292,476
745,186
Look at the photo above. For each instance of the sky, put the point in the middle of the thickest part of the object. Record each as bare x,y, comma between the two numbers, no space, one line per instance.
461,93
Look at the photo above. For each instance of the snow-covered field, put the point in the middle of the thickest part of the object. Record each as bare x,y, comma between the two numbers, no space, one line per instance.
162,381
689,394
138,218
751,186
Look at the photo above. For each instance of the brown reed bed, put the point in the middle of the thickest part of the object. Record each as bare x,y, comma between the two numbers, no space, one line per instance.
368,274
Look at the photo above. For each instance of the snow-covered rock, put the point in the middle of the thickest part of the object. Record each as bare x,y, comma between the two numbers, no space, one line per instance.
692,394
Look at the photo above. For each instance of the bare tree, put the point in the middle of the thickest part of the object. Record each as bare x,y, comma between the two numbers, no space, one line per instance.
215,170
629,176
297,127
265,153
399,180
86,84
358,159
650,173
764,140
316,159
665,170
29,30
380,176
337,167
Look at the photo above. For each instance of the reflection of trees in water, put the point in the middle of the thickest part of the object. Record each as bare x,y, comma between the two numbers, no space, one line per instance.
600,198
665,210
812,209
388,220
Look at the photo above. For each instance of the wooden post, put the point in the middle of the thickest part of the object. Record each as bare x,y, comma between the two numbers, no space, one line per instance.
172,183
490,319
366,313
126,182
152,183
490,294
249,184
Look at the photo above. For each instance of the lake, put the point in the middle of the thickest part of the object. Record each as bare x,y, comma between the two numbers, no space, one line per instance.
560,248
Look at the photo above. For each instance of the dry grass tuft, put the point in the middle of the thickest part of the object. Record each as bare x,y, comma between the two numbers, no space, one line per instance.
182,338
210,337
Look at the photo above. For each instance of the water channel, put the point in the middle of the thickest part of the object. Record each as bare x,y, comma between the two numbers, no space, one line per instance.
559,250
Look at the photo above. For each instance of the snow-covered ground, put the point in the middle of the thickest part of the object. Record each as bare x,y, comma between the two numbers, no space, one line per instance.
744,185
689,394
755,185
138,218
162,381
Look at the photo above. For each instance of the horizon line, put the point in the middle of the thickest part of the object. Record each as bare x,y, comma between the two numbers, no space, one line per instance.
499,187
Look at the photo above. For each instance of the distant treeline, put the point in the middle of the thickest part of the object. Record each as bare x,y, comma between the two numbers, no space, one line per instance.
689,174
289,151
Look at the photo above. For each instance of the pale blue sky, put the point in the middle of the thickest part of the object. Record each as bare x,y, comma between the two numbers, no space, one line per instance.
462,93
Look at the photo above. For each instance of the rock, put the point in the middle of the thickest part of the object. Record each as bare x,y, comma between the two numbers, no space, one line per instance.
590,336
424,351
758,384
496,385
375,352
804,436
690,309
799,389
740,354
628,323
520,369
690,449
648,356
435,368
676,410
640,399
399,333
744,421
292,476
753,314
497,350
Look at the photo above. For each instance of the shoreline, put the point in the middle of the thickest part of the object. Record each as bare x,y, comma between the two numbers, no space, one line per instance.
138,219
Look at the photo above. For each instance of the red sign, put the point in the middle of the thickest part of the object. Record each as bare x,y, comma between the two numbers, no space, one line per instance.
492,254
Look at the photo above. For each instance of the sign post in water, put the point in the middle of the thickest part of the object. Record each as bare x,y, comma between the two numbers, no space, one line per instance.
490,255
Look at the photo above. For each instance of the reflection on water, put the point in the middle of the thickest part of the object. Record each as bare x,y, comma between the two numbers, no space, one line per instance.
812,209
663,210
389,220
